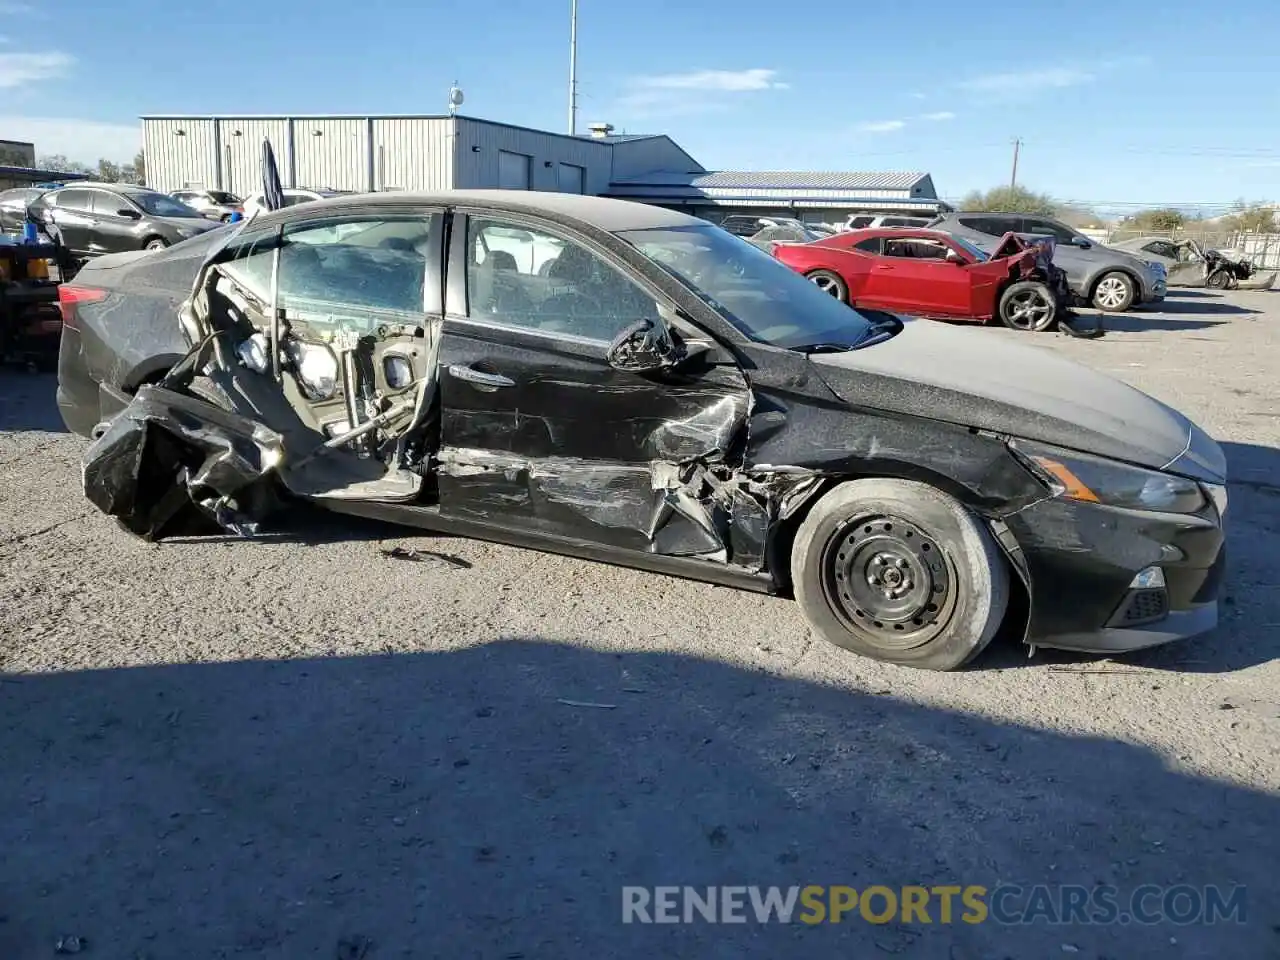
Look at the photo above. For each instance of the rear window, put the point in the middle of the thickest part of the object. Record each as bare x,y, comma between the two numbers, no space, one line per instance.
993,226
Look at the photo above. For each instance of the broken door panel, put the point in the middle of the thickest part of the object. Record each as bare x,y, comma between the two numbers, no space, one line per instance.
542,433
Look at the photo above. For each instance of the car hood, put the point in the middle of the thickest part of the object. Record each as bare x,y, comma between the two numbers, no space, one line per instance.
964,377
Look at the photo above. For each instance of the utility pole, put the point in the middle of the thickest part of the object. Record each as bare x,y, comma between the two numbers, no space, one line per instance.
573,68
1013,178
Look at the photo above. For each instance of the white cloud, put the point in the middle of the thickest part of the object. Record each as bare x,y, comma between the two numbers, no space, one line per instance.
733,81
938,115
696,91
1030,83
86,141
1026,81
19,69
881,126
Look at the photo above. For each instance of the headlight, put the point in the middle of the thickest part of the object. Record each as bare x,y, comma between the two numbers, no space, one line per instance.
316,367
1078,476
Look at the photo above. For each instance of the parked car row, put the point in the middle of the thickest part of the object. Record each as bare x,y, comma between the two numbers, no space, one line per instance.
90,218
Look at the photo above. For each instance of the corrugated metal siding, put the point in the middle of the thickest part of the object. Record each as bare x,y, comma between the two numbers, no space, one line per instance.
634,158
173,161
331,153
413,153
242,154
479,168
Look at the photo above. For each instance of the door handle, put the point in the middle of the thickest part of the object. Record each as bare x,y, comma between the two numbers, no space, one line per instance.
884,266
479,377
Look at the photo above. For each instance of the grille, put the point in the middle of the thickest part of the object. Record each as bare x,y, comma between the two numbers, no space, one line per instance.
1145,606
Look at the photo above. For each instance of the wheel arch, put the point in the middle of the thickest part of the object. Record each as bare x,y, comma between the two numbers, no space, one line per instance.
782,535
1127,271
149,371
1017,618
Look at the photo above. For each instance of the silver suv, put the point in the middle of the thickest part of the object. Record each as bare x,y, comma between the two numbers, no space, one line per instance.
1110,279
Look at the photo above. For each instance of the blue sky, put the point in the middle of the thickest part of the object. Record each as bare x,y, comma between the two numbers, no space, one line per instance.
1120,102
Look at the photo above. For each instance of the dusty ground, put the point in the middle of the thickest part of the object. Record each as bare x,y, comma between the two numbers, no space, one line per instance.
302,748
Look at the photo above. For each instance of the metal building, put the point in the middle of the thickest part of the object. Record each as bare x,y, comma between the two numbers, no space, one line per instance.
442,152
368,153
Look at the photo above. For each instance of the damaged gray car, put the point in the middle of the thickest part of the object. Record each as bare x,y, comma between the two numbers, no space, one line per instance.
620,382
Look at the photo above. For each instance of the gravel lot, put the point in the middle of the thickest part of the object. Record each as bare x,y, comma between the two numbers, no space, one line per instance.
301,748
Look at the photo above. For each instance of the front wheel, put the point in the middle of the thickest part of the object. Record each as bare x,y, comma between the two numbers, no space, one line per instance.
831,283
155,243
1218,279
1028,305
1114,293
899,571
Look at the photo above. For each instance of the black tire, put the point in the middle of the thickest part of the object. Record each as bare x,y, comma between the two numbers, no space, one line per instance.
860,531
1028,305
1114,292
155,243
831,283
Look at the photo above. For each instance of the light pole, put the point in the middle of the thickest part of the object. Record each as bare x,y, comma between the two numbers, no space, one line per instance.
573,68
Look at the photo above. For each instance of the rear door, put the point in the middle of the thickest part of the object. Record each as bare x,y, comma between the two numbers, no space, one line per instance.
74,217
538,432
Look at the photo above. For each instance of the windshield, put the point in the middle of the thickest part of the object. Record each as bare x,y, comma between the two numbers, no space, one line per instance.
765,300
969,248
159,205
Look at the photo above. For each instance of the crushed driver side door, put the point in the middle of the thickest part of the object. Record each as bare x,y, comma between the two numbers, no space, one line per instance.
541,434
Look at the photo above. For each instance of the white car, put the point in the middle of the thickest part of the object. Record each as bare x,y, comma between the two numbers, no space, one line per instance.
292,197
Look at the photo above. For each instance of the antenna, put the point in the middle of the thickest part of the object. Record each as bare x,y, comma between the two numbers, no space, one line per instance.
573,68
455,98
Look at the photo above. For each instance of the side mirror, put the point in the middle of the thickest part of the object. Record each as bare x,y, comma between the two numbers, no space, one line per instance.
1082,242
645,347
954,257
128,213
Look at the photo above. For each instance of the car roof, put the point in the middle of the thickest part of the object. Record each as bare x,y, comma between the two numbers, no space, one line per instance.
603,213
922,233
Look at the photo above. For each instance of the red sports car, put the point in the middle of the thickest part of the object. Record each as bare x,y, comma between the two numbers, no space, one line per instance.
928,273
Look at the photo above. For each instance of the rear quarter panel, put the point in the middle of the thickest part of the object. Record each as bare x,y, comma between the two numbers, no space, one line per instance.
133,334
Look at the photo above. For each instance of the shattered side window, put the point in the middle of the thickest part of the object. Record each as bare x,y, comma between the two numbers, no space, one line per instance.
522,277
352,273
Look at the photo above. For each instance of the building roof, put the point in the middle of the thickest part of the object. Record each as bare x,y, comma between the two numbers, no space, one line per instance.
35,175
851,181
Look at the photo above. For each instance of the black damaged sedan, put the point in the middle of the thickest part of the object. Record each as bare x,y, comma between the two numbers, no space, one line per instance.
623,383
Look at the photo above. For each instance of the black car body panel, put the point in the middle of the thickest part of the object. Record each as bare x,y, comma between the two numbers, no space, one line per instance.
702,468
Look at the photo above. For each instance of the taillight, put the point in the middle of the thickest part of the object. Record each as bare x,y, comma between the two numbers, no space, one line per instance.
70,297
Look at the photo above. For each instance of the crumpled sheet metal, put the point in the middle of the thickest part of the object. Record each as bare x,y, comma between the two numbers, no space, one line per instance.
166,451
690,509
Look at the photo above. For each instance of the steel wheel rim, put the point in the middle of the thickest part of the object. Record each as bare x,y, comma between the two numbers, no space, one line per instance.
827,284
887,580
1112,292
1029,310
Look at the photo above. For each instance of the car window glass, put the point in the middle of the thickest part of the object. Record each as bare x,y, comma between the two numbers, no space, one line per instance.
529,278
105,204
870,245
1056,230
77,200
293,199
857,223
1161,248
915,248
993,226
375,267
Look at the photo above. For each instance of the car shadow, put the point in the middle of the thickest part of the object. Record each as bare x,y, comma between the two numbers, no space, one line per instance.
27,402
1217,306
494,801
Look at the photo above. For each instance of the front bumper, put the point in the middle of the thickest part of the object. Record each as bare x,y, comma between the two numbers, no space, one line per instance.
1081,560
